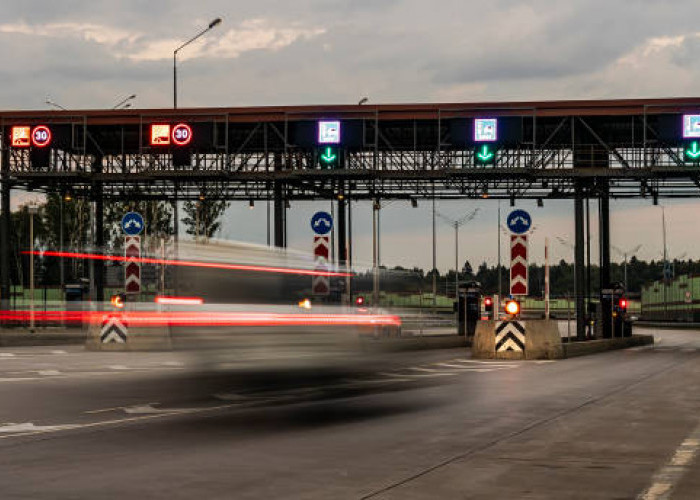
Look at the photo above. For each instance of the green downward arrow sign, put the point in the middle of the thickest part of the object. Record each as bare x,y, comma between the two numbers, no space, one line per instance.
329,156
693,152
485,154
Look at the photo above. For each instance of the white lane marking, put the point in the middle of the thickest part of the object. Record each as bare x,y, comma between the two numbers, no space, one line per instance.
469,368
117,421
30,427
7,355
114,408
173,363
501,364
671,474
17,379
428,370
118,367
49,373
59,351
377,381
150,409
485,362
410,375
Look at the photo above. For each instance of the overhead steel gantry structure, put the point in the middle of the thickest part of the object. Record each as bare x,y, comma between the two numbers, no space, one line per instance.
545,150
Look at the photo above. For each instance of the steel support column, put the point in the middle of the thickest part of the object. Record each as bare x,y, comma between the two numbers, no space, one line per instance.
279,213
99,212
604,223
342,233
5,223
579,265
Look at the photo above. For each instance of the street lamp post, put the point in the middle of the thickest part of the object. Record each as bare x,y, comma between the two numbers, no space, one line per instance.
625,254
176,225
125,102
457,224
212,25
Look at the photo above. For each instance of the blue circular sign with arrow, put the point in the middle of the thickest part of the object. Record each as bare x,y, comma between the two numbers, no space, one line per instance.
519,222
322,223
132,223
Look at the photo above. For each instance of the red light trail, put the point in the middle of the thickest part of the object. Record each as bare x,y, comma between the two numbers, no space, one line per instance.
205,318
187,263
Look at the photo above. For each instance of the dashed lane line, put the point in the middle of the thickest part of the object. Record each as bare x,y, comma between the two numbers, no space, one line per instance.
677,467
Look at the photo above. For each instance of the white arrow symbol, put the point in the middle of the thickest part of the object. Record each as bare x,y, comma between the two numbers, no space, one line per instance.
519,219
325,222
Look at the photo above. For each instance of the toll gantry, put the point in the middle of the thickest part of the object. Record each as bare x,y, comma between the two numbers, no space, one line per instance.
579,150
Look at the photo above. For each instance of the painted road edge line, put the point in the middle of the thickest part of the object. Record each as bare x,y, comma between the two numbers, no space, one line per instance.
675,469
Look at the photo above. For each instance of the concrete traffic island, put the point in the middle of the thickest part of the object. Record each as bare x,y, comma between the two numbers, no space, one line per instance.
539,339
111,332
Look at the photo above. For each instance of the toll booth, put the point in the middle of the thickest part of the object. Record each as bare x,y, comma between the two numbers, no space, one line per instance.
75,294
613,305
468,307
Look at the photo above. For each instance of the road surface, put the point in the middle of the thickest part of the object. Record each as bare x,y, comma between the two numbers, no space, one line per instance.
432,424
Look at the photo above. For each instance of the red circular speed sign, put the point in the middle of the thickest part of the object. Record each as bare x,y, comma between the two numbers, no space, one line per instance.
182,134
41,136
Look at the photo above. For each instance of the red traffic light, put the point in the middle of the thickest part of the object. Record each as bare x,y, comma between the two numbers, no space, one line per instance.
488,301
360,301
623,303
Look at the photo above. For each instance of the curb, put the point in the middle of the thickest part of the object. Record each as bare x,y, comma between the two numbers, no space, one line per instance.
576,349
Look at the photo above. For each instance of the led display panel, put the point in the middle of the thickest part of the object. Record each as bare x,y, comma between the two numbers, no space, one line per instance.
691,126
329,132
20,137
485,130
41,136
182,134
160,134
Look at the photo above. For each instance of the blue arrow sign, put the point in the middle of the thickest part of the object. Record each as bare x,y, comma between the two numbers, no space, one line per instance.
132,223
519,221
321,223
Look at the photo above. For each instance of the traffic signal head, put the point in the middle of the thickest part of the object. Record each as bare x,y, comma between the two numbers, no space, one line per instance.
484,154
691,152
360,301
488,304
329,157
513,307
623,304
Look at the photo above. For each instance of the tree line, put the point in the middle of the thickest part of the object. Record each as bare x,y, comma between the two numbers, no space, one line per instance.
63,222
561,277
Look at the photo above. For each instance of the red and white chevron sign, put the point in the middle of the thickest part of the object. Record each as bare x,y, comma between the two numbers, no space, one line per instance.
132,270
320,285
518,264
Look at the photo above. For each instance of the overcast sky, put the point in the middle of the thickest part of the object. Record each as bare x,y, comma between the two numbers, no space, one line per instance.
92,54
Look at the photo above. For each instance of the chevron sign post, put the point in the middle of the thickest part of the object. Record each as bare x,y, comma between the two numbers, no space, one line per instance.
132,270
510,336
320,284
113,329
518,264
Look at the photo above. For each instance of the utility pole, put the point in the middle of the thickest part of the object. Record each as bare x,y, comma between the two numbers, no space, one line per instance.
457,224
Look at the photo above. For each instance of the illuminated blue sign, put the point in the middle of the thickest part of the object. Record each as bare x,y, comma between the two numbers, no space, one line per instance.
329,132
691,126
485,130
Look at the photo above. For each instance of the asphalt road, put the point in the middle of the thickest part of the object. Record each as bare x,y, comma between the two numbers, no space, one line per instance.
432,424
